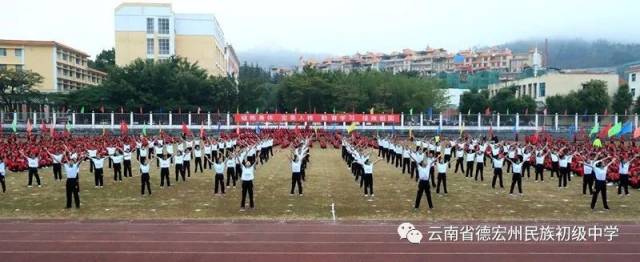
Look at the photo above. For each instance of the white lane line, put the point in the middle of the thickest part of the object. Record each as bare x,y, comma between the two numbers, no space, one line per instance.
526,253
276,242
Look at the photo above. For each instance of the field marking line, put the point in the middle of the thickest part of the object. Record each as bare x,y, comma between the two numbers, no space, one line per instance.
313,253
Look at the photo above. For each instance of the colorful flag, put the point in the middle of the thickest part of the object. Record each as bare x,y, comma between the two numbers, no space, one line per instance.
14,124
371,111
185,129
461,128
352,127
615,129
144,129
82,110
411,111
430,113
636,133
202,134
410,132
29,127
627,128
594,129
597,143
603,133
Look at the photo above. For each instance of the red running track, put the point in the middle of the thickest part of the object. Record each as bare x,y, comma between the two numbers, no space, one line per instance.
139,241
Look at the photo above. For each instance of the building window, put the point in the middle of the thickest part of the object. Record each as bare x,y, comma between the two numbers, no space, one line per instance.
542,87
77,61
633,92
149,25
3,52
19,67
163,26
3,67
149,46
633,77
163,46
18,52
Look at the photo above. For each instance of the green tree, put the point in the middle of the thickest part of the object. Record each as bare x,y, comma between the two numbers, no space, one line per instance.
474,101
594,97
555,104
622,100
105,61
16,87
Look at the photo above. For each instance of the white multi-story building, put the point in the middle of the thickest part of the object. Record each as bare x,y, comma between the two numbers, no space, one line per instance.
633,78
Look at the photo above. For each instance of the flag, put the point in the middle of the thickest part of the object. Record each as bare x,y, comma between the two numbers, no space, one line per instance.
237,130
141,110
198,110
52,130
544,112
469,112
124,128
571,132
371,111
102,109
461,128
202,135
67,125
615,129
334,110
411,111
121,110
352,127
144,129
185,129
410,132
430,113
594,129
82,110
29,127
606,112
507,110
487,111
603,133
597,143
626,129
526,110
636,133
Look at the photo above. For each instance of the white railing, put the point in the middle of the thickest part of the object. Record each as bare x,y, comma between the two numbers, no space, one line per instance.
224,121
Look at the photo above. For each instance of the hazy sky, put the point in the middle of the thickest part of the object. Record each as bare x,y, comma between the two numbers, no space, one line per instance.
340,26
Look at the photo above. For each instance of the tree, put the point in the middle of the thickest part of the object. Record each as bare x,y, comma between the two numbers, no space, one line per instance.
105,61
636,107
16,87
555,104
474,101
594,97
622,100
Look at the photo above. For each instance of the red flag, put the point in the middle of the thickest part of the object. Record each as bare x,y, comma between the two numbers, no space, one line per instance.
52,131
124,128
29,127
238,130
487,112
606,112
636,133
603,133
185,129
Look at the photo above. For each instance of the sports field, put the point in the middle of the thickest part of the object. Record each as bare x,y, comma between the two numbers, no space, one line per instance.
328,181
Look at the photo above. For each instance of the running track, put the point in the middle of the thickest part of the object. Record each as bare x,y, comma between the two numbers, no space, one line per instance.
139,241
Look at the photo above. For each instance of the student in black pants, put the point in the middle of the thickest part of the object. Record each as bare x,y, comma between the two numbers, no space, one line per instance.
230,163
497,170
218,181
296,166
98,171
623,169
197,152
73,184
516,176
165,163
471,157
178,161
442,174
423,184
127,163
459,160
2,174
144,176
33,164
479,166
600,171
540,166
248,171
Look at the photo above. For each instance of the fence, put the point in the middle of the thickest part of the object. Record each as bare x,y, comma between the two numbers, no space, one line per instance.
554,123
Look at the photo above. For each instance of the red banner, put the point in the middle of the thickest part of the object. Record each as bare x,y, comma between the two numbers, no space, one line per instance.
329,118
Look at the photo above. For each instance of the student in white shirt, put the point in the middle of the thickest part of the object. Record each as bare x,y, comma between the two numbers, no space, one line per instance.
423,184
2,174
564,163
144,176
623,170
186,162
110,152
471,157
459,159
56,160
117,159
367,176
98,171
497,170
248,170
178,160
230,164
165,163
479,165
218,167
540,165
72,167
600,171
91,152
296,166
197,154
126,157
33,163
516,174
442,166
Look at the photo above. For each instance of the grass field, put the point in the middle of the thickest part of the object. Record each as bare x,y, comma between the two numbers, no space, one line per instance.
328,181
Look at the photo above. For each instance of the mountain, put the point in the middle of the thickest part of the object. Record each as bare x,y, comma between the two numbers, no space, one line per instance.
578,53
267,58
